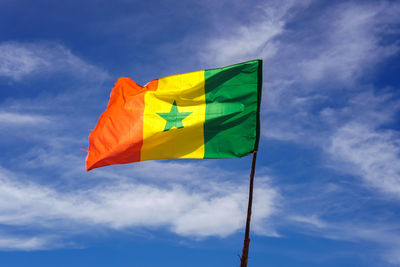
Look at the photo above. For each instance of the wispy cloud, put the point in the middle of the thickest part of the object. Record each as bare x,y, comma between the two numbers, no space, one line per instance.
22,243
352,42
373,154
311,220
361,145
235,43
24,119
385,236
19,60
312,67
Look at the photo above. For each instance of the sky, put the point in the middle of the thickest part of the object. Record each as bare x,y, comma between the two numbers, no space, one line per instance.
327,184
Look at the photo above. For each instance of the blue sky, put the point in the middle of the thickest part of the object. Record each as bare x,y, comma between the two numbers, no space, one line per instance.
327,186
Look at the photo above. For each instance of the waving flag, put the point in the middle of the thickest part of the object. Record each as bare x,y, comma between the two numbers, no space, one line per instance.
203,114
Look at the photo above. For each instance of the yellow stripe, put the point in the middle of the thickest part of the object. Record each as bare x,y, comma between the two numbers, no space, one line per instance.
187,142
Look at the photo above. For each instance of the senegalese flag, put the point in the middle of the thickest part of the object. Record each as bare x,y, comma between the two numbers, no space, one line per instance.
203,114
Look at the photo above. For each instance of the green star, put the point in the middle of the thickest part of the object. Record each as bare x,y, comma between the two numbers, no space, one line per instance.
174,117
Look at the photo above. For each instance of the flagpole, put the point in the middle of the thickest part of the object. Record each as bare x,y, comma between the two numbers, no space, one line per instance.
245,252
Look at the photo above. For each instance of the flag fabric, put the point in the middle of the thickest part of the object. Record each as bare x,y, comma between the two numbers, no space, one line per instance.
203,114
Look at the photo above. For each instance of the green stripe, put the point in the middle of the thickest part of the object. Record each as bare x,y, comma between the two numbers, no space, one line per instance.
233,96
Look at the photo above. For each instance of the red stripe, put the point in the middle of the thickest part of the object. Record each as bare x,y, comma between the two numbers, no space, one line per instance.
118,135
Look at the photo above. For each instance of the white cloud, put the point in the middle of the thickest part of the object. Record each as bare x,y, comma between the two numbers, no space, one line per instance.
359,145
19,60
211,217
219,211
372,154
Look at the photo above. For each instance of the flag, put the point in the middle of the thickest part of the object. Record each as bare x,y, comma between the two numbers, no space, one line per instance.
203,114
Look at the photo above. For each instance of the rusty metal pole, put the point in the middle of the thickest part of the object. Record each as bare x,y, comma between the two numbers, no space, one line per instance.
245,252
